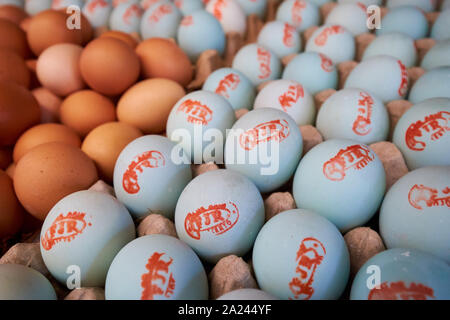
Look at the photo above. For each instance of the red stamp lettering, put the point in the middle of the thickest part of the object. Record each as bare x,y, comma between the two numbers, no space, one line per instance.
159,13
399,291
322,38
326,63
264,63
197,113
432,127
149,159
428,196
404,82
297,9
288,35
178,3
187,21
229,82
363,7
158,281
287,99
276,130
133,11
217,9
363,121
96,4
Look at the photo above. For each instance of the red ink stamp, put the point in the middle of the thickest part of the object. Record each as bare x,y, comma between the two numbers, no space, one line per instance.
428,196
264,63
399,291
132,12
217,9
187,21
287,99
96,4
229,82
276,130
64,228
197,112
159,13
361,126
158,281
309,256
404,82
288,35
217,219
178,3
322,38
148,159
432,127
297,9
362,6
326,63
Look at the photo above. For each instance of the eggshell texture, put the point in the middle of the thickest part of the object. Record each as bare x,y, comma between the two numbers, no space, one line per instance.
147,104
281,38
85,229
230,14
162,58
49,104
85,110
300,255
405,275
160,20
341,13
301,14
121,36
49,172
61,4
12,37
421,197
433,84
342,180
48,28
426,6
422,134
12,13
221,193
106,142
187,7
145,4
33,7
140,165
11,215
23,283
97,12
13,68
19,110
394,21
109,65
365,2
126,17
258,7
156,267
246,294
437,56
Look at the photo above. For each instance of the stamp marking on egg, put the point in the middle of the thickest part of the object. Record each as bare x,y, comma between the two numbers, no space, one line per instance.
159,13
187,21
322,38
429,196
309,256
361,125
155,281
264,63
229,82
64,228
276,130
297,8
288,35
363,8
197,112
148,159
355,156
404,82
178,3
326,63
399,291
219,5
93,5
133,11
433,127
217,219
288,98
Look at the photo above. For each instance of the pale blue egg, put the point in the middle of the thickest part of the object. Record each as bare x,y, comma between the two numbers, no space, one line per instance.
126,17
321,2
281,38
97,12
265,145
148,178
403,274
434,83
258,7
188,7
247,294
423,134
233,85
437,56
230,15
425,5
302,14
81,235
300,255
315,71
17,3
160,20
342,180
441,27
62,4
365,2
156,267
340,15
415,212
445,5
33,7
405,19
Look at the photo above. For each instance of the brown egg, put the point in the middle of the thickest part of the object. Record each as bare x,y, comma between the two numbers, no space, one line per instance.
48,28
12,13
104,144
25,23
43,133
48,173
11,212
109,65
86,27
125,37
162,58
147,104
10,170
13,68
5,157
58,69
14,38
19,110
49,104
86,110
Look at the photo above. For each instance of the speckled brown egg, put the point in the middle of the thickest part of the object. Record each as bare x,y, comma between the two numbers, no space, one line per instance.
49,104
14,38
12,13
125,37
11,213
13,68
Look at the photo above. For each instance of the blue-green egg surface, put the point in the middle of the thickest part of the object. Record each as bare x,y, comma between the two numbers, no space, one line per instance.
409,20
441,27
98,16
129,22
435,83
188,7
247,294
425,5
33,7
365,2
340,15
281,38
258,7
437,56
160,20
301,14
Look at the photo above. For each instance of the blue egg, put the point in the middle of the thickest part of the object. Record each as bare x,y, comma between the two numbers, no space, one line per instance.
259,64
342,180
441,27
315,71
403,274
421,198
230,15
353,114
364,2
437,56
247,294
281,38
33,7
300,255
156,267
265,145
81,235
218,214
19,282
188,7
62,4
423,134
126,17
340,15
148,178
160,20
301,14
97,12
17,3
322,2
198,32
258,7
434,83
233,85
405,19
425,5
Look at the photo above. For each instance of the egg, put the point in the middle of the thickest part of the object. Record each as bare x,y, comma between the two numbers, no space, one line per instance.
445,5
162,58
364,2
104,144
19,110
12,37
422,134
49,104
246,294
258,7
384,76
290,97
340,14
300,255
301,14
230,15
110,76
125,37
342,180
334,41
44,133
147,179
195,119
62,4
281,38
49,172
156,267
126,17
145,4
85,229
13,68
33,7
219,213
394,21
315,71
12,214
187,7
23,283
353,114
426,6
437,56
97,12
17,3
12,13
259,64
403,275
85,110
434,83
233,85
160,20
